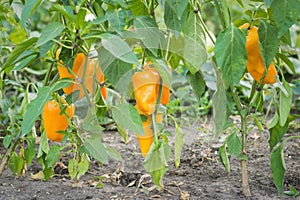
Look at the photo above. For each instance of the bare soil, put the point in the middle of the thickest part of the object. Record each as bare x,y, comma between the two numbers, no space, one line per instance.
200,175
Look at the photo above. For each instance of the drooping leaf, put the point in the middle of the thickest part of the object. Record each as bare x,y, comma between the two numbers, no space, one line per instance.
224,157
119,48
234,144
231,55
285,103
16,163
194,53
18,50
126,116
28,10
269,41
53,156
29,152
51,31
179,142
156,162
114,154
197,82
44,146
35,108
219,108
278,168
95,148
285,14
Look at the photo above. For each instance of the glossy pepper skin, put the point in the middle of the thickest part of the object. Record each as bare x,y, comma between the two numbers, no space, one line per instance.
54,121
145,91
255,65
165,94
92,72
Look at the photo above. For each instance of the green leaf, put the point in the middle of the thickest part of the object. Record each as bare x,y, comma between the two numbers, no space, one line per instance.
278,168
47,173
18,35
231,54
96,149
268,3
138,8
44,146
287,61
16,163
114,154
172,21
72,168
179,142
219,108
268,38
126,116
178,6
164,71
156,161
28,10
53,156
62,83
147,29
83,165
285,14
224,158
117,20
51,31
120,49
115,70
285,103
234,144
293,192
194,53
197,82
276,134
26,62
29,152
18,50
34,109
7,140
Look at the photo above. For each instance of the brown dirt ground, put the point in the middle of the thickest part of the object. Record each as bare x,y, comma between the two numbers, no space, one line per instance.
200,175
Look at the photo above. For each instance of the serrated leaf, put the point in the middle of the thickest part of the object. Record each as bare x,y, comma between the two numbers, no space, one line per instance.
285,103
126,116
197,82
224,158
34,109
96,149
18,50
194,53
147,29
285,14
268,38
278,168
51,31
231,54
118,48
28,10
234,144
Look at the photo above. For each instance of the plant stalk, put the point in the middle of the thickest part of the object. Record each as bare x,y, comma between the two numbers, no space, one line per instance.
245,183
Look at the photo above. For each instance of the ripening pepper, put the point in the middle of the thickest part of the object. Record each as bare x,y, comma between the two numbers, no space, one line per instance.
145,91
54,121
89,75
165,93
255,65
